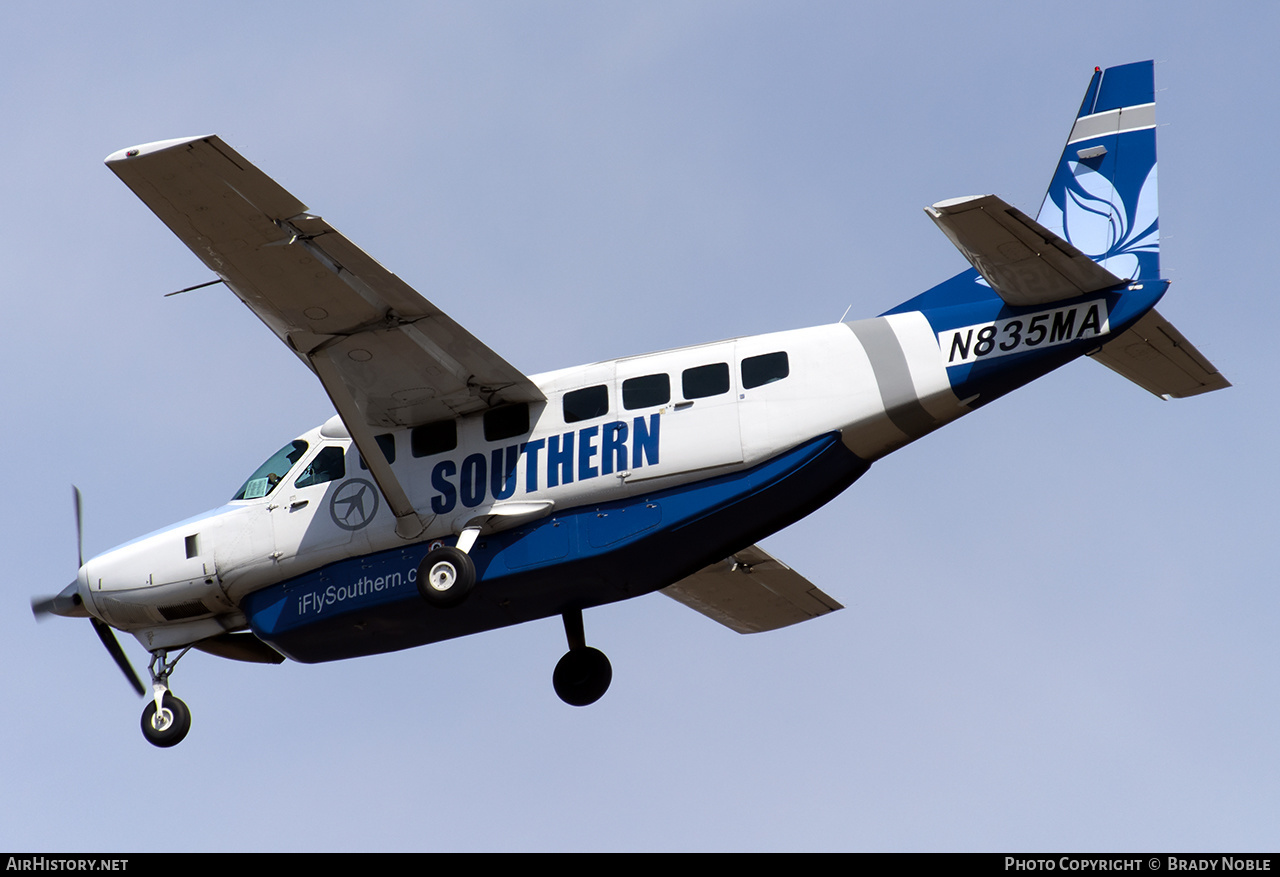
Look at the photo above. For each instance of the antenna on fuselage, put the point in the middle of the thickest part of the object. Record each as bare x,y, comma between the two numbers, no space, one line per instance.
190,288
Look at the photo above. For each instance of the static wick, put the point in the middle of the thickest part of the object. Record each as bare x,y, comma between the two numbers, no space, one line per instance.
197,286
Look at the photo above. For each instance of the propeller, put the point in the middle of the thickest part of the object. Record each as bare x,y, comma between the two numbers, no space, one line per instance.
109,640
68,604
75,495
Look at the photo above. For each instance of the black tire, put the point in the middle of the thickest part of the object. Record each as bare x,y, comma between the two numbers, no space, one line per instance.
445,577
582,676
172,733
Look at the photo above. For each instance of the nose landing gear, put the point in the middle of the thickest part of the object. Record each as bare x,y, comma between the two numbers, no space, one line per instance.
583,675
168,725
166,719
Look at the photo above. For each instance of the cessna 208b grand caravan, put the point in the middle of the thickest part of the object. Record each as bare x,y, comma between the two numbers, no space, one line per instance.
453,494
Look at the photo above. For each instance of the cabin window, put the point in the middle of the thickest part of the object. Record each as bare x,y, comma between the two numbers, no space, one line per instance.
328,465
270,473
433,438
705,380
646,391
506,422
386,444
586,404
760,370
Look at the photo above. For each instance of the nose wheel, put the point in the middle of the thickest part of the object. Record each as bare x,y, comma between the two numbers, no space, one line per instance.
583,675
166,719
167,725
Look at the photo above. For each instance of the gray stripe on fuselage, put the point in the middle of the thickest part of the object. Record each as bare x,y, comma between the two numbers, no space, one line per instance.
1113,122
889,364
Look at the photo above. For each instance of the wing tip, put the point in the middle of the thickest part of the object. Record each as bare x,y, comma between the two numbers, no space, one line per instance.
942,206
149,148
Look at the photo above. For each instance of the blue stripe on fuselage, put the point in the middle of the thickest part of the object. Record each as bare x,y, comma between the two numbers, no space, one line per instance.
576,559
1008,365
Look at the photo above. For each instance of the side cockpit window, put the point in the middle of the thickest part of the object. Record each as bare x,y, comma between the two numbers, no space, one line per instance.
329,465
270,473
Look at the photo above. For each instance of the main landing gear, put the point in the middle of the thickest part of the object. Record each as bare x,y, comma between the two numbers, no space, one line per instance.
166,720
583,675
447,575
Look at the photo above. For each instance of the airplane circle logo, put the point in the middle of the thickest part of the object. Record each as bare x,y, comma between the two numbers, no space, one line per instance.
354,504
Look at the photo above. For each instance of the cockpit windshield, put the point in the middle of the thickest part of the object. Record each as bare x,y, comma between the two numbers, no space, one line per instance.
269,474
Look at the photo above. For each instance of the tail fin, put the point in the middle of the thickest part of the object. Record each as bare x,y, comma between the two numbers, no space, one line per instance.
1102,198
1097,233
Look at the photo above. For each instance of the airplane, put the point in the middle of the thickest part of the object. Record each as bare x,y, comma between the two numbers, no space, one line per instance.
452,494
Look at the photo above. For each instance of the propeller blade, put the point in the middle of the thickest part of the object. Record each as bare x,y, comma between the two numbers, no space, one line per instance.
67,603
113,646
75,491
42,607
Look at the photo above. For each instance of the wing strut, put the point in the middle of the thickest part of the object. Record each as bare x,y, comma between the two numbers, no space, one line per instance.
409,524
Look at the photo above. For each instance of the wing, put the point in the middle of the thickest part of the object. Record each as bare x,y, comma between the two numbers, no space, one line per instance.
402,361
751,592
386,356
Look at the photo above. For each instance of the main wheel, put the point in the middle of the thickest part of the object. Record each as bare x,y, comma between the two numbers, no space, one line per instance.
446,576
582,676
168,726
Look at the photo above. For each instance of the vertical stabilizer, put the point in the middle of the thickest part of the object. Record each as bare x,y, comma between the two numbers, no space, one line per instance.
1103,195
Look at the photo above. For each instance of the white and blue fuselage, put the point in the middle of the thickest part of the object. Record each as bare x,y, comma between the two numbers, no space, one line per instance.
632,474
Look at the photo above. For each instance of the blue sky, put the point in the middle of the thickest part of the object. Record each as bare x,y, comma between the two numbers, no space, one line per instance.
1061,622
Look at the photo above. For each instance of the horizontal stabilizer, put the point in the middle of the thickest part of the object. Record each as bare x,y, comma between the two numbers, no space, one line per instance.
1024,262
751,592
1155,356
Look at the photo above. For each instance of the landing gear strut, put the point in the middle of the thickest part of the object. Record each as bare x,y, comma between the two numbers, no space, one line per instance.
166,720
583,675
